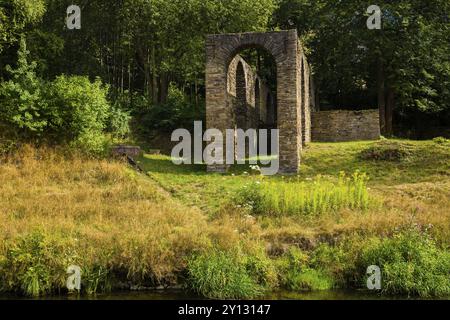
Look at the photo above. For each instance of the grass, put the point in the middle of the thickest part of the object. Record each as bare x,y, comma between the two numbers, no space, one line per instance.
175,224
412,264
58,210
312,197
221,275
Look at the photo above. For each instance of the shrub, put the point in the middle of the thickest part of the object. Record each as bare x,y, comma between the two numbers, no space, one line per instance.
70,110
441,140
305,198
411,263
82,112
386,150
119,122
35,265
335,261
295,274
221,275
23,112
176,112
261,268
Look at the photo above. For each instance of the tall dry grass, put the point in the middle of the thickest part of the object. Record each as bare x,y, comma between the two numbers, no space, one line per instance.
58,209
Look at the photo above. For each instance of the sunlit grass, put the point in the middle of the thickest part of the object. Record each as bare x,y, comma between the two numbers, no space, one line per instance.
313,197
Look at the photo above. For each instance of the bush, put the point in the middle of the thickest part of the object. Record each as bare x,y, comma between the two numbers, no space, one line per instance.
35,265
295,273
305,198
119,122
335,261
23,112
82,111
386,150
221,275
176,113
441,140
69,110
261,268
411,264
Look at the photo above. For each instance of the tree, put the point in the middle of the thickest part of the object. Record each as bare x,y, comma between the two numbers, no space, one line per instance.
403,66
15,15
23,113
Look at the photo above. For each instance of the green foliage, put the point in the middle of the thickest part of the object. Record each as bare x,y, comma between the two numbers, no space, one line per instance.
409,53
222,275
261,268
15,15
96,279
411,264
22,109
176,113
82,111
335,261
35,265
119,122
295,274
441,140
70,109
305,197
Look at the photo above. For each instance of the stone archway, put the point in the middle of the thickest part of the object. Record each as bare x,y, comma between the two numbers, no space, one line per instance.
286,50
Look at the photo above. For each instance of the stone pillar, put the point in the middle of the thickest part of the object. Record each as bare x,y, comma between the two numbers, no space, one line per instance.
219,113
288,105
306,103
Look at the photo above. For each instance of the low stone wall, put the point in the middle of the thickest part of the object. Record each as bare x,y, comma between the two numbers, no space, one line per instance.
345,125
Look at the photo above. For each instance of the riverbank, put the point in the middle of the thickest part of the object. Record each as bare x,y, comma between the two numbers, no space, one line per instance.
177,225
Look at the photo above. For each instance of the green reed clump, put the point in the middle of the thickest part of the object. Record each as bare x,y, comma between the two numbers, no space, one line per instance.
306,197
223,275
35,265
411,264
296,274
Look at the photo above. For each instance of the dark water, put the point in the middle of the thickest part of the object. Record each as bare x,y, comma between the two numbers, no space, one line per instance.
181,295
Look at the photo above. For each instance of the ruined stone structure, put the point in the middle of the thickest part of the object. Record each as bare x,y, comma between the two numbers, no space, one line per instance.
235,97
345,125
247,95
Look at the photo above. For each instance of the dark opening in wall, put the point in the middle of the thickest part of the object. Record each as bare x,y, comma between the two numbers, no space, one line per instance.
241,97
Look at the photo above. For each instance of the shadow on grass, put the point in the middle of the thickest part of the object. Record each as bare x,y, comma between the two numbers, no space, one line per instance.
164,164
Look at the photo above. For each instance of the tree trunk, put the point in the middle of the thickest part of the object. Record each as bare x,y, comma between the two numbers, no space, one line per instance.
381,96
154,76
312,91
390,102
163,87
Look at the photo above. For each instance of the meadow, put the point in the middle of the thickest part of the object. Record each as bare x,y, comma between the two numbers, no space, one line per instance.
236,235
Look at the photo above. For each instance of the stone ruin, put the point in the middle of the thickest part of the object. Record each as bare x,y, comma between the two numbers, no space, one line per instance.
236,97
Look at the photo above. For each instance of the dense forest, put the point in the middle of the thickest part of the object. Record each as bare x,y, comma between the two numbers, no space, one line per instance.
137,66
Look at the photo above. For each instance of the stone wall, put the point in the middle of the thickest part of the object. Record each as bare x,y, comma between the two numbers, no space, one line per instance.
345,125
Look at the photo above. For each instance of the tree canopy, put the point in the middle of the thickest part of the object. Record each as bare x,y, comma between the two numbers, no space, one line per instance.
143,47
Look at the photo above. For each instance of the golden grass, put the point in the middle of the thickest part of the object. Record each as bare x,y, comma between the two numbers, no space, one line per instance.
102,209
424,204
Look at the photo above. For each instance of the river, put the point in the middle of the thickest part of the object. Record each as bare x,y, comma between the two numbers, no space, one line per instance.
182,295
